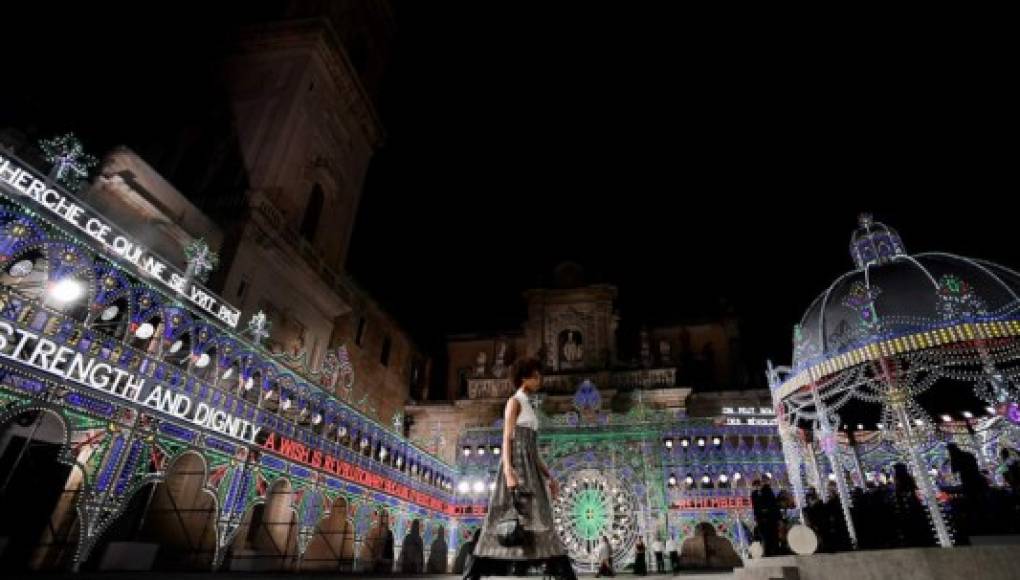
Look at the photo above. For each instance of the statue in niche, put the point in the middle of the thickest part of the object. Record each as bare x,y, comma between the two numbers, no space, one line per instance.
571,347
499,366
480,361
665,351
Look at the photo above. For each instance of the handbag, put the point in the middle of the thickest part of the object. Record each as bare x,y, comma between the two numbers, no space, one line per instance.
510,532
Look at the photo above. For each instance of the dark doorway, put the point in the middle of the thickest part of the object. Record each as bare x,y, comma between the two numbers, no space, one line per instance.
32,483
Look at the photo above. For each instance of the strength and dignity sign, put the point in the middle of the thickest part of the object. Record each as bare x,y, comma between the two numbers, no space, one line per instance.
149,265
38,352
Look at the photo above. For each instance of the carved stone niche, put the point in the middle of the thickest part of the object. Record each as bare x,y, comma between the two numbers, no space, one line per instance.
570,335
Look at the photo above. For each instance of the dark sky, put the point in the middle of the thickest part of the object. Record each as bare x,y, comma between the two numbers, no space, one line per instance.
684,159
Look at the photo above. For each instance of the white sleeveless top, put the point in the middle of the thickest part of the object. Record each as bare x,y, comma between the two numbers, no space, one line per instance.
526,418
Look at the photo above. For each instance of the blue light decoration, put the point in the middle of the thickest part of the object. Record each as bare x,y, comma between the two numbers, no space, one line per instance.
90,404
178,432
112,461
153,342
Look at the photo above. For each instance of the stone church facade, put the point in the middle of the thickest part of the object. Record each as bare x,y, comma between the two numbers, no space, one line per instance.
636,441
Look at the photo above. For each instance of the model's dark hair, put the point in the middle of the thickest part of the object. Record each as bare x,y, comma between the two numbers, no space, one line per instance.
525,369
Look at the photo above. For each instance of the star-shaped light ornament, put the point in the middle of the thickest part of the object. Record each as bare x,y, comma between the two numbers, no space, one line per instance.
258,327
201,259
71,165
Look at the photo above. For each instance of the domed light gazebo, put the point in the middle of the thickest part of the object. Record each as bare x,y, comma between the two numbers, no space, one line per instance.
910,351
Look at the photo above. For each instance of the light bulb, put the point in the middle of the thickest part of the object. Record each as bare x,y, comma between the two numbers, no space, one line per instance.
109,313
67,290
145,331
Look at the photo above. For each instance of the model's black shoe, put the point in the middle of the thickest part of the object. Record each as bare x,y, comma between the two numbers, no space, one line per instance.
473,569
562,568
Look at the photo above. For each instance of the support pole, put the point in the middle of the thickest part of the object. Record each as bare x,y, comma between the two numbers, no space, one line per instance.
792,455
829,447
909,443
814,471
855,454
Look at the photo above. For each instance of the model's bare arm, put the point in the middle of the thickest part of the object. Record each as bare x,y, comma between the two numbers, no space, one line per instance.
513,409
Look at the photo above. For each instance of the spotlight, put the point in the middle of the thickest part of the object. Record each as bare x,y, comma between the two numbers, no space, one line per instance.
968,415
991,410
684,443
248,384
716,441
768,475
860,427
202,361
669,443
492,485
145,331
880,426
672,480
918,422
736,476
495,450
467,451
946,418
706,479
229,373
67,290
399,461
689,480
382,453
316,419
701,442
723,478
832,477
480,451
285,404
479,486
463,486
176,346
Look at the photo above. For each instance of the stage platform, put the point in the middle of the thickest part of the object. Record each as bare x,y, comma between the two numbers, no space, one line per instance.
997,562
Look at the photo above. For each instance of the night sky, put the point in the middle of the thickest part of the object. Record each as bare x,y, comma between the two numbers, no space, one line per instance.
685,160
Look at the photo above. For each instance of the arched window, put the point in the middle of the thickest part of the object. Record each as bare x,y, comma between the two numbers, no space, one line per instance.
310,223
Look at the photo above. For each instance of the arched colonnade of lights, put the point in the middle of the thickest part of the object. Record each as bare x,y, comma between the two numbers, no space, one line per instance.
140,376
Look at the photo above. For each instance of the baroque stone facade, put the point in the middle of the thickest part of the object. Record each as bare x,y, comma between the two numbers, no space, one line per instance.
573,329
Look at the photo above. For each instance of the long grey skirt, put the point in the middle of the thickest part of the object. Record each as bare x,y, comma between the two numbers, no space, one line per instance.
543,540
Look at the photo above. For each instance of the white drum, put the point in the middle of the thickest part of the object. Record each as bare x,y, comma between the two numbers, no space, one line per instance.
802,540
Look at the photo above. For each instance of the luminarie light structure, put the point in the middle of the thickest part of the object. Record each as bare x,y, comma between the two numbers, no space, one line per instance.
901,346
